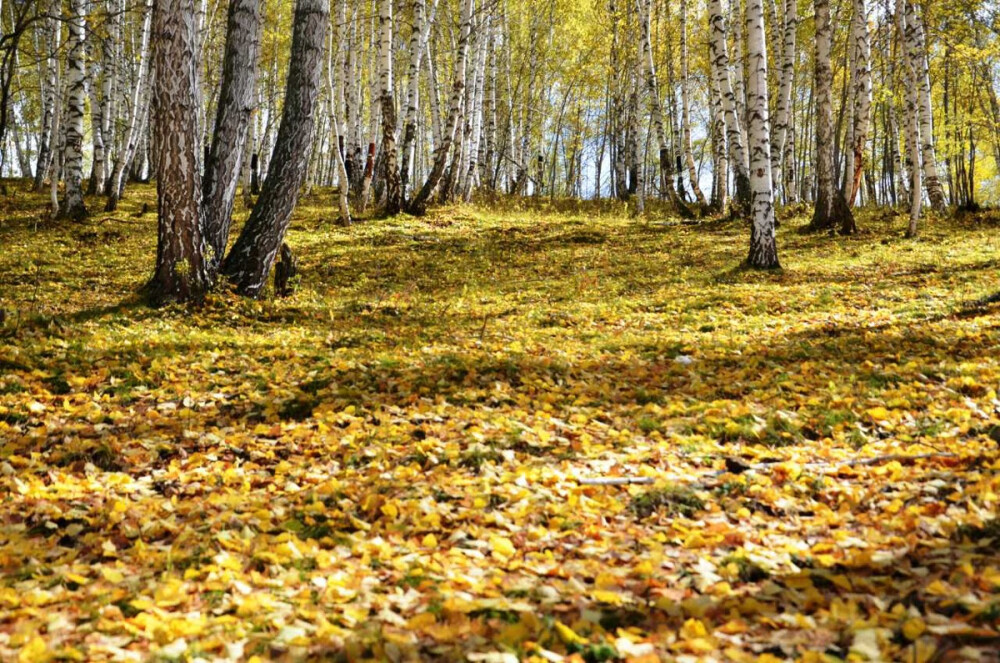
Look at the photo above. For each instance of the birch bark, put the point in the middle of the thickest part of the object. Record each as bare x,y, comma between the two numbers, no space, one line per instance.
763,244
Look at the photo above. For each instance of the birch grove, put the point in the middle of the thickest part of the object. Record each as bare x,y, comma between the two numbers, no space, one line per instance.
655,104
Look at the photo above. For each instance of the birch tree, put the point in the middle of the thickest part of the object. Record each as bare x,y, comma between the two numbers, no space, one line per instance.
137,110
686,109
782,168
418,46
861,100
719,57
232,123
336,93
916,50
73,206
49,92
653,93
913,143
393,185
181,268
252,255
831,211
763,245
419,203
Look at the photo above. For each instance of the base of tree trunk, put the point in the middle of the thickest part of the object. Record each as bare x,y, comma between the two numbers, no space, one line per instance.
835,217
112,203
743,200
75,213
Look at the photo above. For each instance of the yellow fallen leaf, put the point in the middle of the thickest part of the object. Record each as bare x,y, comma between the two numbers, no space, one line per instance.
693,628
611,598
34,651
76,578
112,575
877,413
568,635
913,628
502,546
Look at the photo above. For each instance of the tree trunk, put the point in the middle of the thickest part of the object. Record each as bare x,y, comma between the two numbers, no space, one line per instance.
393,186
831,208
181,270
418,46
720,65
50,28
76,98
763,245
917,52
251,257
686,110
232,123
419,203
653,92
913,122
123,159
336,90
782,168
862,100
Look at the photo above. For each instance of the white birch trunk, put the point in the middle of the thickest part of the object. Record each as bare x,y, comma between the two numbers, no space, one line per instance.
394,196
418,46
782,169
648,71
734,133
917,52
686,110
831,208
912,122
336,91
862,100
50,95
442,149
763,245
136,112
471,179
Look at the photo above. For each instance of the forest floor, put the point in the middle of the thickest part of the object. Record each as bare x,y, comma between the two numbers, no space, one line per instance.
394,463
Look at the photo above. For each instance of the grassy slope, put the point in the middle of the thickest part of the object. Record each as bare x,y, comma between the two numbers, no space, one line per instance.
385,463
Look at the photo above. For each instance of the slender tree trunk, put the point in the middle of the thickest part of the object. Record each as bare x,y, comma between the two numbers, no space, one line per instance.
232,123
251,257
831,208
686,110
781,158
418,46
419,203
862,100
913,122
50,28
917,51
720,158
648,72
181,270
76,98
720,65
101,94
336,89
124,158
394,193
763,245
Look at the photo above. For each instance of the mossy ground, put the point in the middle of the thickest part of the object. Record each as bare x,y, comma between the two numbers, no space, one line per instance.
385,464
